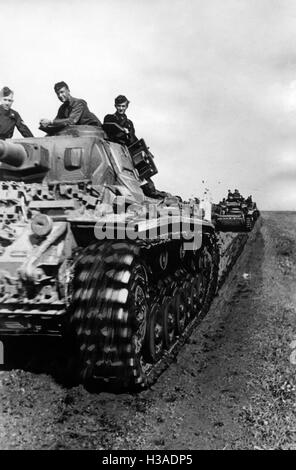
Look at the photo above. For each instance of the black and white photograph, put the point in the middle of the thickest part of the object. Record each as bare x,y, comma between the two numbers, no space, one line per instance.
147,227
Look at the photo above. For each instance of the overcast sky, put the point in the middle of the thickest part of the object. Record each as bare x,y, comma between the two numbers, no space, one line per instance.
212,83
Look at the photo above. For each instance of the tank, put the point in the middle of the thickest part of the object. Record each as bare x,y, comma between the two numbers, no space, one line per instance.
85,254
235,213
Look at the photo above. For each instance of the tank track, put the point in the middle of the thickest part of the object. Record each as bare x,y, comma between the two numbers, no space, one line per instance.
130,314
249,223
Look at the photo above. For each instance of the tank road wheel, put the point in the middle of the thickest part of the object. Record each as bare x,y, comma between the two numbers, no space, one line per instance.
203,284
181,311
195,296
190,313
163,260
182,253
169,331
154,335
137,305
191,261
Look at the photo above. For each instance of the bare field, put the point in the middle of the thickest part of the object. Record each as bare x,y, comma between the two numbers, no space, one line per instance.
233,385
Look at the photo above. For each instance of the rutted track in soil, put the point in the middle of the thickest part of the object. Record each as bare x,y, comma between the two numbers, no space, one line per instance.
208,396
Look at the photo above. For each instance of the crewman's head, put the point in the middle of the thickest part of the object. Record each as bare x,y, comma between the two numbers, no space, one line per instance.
62,90
6,97
121,104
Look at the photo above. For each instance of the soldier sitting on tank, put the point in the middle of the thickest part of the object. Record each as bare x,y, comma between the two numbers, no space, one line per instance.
74,111
9,118
121,130
237,196
117,126
230,195
223,202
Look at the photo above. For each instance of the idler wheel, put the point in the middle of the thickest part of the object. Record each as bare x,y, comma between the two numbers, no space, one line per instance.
154,335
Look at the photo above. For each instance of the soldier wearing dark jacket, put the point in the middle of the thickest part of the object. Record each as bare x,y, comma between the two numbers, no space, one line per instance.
73,111
9,118
118,127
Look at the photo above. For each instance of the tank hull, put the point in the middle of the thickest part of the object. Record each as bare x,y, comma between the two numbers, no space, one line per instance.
123,278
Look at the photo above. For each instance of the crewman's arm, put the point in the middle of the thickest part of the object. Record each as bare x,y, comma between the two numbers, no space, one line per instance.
115,132
22,128
73,117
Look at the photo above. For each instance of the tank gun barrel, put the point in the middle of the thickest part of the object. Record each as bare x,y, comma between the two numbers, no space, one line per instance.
13,154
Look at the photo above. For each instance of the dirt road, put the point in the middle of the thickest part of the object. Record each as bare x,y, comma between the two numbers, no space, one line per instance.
233,386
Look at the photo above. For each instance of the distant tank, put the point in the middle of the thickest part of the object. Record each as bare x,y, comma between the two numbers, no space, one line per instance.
85,254
235,213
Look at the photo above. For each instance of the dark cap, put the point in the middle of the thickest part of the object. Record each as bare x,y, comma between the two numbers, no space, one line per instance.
121,99
5,91
60,85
